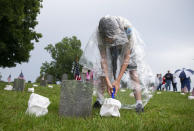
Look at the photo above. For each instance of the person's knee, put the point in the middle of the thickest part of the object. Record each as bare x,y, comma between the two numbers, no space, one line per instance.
137,90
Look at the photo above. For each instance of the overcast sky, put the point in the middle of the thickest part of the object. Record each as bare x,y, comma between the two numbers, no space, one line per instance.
166,26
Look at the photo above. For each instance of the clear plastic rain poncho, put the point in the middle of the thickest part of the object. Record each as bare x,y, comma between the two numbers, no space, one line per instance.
124,37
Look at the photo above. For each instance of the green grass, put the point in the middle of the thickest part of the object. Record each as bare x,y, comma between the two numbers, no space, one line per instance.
167,111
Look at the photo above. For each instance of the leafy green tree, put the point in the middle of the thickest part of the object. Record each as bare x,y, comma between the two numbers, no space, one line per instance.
64,53
17,23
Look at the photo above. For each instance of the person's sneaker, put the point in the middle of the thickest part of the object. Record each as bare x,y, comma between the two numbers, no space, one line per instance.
97,104
139,108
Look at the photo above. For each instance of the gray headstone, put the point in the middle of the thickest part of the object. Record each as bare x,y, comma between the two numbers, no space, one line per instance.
49,79
19,84
193,92
43,83
64,77
0,76
75,99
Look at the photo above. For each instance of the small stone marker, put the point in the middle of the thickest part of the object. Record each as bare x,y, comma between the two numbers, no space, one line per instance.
19,84
64,77
30,89
50,86
34,85
76,98
49,79
193,92
43,82
0,76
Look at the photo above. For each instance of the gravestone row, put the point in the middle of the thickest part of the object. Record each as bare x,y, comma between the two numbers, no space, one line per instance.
75,96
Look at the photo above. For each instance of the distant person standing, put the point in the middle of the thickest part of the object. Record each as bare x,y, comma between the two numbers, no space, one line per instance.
76,71
160,82
163,82
9,78
189,84
185,83
174,83
157,81
169,77
89,76
21,76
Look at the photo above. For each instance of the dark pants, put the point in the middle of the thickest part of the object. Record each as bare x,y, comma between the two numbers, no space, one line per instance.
186,83
174,86
159,87
168,84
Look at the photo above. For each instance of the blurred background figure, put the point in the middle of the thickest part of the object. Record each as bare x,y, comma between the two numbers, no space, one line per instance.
185,84
163,83
174,83
160,82
185,80
157,81
78,77
9,78
89,76
76,72
21,76
168,77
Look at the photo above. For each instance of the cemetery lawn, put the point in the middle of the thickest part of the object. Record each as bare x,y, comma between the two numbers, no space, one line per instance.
166,111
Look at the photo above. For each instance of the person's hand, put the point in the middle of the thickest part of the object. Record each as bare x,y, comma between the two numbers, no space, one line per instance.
109,88
116,84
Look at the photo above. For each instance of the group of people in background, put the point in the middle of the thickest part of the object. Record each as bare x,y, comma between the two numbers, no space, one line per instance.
165,82
88,76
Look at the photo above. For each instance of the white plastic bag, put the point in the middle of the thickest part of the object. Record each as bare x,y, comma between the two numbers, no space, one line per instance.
50,86
94,93
150,96
30,89
182,93
110,107
37,105
8,87
191,97
34,85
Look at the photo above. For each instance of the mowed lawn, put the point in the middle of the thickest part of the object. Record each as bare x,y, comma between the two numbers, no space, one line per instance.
166,111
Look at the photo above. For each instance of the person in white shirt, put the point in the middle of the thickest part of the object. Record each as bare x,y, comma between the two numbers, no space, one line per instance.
174,83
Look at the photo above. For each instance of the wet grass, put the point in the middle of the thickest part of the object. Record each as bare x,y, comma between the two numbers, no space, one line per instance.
167,111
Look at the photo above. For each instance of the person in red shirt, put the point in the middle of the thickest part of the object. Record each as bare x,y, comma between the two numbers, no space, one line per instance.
163,82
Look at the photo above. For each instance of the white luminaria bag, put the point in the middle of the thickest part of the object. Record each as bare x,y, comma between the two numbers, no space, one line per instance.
37,105
50,86
8,87
110,107
30,89
34,85
191,97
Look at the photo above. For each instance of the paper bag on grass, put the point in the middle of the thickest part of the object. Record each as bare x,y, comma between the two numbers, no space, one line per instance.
37,105
110,107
